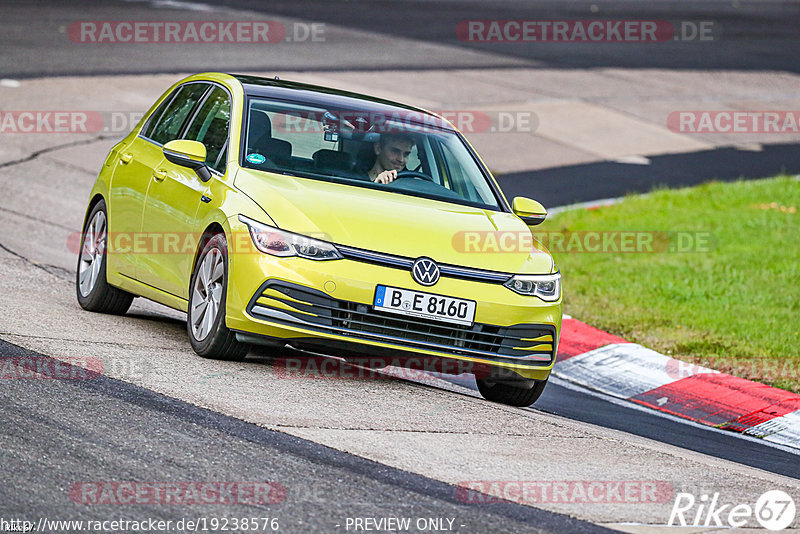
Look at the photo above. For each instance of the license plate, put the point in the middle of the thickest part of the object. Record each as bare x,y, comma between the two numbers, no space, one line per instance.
424,305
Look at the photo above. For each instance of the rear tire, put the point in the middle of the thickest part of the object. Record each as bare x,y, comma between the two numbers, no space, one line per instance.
508,394
91,286
208,291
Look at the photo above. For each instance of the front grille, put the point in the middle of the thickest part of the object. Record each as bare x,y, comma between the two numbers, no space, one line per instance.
300,306
453,271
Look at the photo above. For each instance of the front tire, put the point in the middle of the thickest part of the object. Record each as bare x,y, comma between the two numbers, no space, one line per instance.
92,288
507,394
208,291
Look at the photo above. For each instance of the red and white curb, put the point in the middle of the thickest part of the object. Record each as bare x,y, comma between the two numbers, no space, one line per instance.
600,361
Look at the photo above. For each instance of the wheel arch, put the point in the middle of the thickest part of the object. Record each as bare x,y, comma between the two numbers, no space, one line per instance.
213,228
92,203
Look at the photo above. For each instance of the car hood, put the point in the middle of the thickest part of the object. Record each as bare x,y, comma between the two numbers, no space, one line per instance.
397,224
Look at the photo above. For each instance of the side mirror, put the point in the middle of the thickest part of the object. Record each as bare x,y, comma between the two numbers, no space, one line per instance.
191,154
530,211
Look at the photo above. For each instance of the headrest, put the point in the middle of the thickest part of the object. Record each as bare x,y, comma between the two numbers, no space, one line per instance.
275,149
260,126
332,160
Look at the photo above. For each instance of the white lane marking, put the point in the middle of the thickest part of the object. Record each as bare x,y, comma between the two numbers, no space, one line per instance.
633,160
784,430
624,370
438,380
176,4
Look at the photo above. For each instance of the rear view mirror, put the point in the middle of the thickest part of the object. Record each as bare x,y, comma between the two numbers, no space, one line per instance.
530,211
191,154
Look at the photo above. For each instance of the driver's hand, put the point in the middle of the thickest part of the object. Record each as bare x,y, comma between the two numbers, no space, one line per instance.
386,177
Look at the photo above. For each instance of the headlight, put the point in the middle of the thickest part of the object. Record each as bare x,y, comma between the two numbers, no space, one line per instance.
547,286
271,240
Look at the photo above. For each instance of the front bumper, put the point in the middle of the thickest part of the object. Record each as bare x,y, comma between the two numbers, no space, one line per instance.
319,305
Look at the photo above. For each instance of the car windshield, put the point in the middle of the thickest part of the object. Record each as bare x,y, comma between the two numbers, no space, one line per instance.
350,147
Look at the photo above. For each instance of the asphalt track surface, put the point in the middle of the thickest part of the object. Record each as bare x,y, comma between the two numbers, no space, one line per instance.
579,406
46,450
560,186
751,35
747,35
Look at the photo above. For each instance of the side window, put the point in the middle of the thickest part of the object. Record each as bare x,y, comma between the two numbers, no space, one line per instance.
458,176
147,131
175,114
413,163
222,160
210,126
304,133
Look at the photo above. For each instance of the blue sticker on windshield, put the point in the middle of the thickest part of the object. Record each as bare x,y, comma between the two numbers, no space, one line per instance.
256,158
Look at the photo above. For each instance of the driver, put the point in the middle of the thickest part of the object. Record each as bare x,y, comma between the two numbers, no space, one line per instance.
391,155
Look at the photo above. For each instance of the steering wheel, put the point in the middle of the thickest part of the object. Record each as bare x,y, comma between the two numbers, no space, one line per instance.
414,174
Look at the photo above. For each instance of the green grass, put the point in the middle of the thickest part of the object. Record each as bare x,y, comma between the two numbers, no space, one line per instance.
733,305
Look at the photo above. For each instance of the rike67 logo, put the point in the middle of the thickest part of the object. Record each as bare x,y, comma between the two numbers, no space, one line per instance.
774,510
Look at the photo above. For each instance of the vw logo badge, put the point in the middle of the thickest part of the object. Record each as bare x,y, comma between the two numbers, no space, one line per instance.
424,271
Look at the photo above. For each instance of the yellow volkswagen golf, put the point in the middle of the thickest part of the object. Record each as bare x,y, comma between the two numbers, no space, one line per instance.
280,213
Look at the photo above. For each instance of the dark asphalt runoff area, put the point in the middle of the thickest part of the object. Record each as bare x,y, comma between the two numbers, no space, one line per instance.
748,35
570,184
596,410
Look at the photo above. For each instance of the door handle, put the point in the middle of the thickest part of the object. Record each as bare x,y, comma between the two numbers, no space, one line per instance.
159,175
125,158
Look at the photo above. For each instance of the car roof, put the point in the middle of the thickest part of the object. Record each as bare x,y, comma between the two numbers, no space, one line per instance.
329,98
